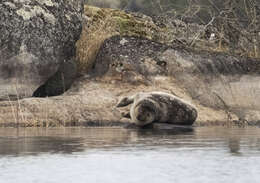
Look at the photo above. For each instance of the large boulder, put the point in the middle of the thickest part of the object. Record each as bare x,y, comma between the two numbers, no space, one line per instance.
36,37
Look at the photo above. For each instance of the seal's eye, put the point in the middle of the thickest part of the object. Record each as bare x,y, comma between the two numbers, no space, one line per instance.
142,117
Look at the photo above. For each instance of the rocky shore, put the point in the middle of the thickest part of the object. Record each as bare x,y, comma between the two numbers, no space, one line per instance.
79,76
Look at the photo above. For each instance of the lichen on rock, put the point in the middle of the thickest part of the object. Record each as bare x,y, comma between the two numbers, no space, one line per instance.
27,13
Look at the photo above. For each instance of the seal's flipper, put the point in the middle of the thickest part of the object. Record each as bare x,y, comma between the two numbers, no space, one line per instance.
126,115
125,101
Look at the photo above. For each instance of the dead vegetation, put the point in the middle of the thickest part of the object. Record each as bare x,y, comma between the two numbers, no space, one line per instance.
92,36
231,26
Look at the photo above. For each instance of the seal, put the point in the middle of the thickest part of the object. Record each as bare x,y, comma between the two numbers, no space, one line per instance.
149,107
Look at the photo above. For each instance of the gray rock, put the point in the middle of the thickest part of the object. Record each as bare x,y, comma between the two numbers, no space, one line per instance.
36,37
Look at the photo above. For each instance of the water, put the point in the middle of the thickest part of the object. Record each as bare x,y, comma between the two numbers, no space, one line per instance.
108,155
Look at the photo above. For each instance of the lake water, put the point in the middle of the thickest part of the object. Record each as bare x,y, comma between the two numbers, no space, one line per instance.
113,155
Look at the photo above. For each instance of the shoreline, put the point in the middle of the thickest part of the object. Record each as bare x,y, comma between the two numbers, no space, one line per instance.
129,125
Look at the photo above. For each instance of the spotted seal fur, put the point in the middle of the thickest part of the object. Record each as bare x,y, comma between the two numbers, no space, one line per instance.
158,107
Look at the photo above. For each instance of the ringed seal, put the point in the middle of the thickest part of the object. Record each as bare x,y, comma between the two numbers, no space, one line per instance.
161,107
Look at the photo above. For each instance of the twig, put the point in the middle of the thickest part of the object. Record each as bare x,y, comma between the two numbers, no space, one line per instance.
199,33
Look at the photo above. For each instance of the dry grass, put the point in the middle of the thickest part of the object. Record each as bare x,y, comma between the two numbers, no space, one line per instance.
98,27
235,25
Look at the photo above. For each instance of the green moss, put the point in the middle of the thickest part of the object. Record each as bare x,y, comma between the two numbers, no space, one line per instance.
123,23
128,26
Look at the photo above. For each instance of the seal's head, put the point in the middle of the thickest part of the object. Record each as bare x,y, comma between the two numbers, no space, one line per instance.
145,113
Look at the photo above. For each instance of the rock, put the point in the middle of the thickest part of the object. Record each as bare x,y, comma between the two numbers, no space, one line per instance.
36,37
129,59
158,107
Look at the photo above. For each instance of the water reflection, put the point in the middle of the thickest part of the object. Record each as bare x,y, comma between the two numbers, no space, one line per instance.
69,140
21,142
33,146
234,146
